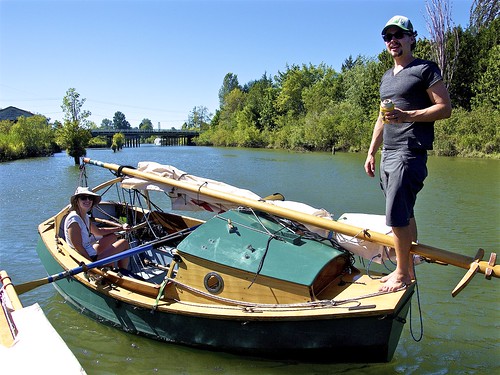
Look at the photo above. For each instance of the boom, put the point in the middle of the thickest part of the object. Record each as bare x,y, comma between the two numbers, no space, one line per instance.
472,264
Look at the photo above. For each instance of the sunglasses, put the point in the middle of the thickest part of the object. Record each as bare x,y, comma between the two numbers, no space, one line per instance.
85,198
398,35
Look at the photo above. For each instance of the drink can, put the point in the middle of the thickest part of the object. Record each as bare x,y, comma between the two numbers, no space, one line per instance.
386,106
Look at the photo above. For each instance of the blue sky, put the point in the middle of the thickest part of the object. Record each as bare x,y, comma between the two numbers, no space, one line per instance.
159,59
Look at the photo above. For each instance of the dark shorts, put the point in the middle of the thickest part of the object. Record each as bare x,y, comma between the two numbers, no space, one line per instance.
402,175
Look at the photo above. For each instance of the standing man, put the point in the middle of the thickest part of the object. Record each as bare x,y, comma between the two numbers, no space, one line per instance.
420,97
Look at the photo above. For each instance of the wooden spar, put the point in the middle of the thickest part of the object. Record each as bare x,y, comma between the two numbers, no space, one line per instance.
426,251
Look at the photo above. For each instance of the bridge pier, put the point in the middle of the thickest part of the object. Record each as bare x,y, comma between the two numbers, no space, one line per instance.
177,140
132,142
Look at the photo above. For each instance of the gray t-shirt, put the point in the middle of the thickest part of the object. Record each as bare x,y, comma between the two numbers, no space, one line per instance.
407,89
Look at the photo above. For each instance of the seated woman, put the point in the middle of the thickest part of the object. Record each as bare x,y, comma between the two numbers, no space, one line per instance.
87,238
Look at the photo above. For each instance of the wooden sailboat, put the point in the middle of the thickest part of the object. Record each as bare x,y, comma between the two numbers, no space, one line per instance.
257,278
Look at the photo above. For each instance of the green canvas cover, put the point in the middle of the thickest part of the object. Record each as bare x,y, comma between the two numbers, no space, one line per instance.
257,244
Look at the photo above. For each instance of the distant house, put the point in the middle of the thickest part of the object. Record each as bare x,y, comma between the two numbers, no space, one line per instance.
13,113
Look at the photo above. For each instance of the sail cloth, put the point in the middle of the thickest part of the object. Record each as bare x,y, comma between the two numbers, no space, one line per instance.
184,200
369,250
181,199
304,208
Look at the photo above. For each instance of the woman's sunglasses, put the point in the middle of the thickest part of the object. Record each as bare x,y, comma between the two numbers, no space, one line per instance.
85,198
398,35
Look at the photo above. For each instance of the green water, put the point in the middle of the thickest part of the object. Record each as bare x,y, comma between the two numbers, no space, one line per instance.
458,210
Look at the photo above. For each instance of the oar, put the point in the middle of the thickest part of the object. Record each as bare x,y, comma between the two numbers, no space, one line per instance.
428,252
30,285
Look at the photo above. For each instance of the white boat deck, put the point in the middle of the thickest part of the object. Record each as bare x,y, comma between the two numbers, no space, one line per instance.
30,344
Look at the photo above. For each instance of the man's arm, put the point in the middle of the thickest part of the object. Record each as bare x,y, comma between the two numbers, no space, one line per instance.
440,109
377,138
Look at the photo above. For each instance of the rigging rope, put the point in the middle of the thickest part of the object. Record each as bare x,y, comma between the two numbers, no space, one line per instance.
421,334
269,306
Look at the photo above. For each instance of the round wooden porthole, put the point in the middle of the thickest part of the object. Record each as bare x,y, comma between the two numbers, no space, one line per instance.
213,282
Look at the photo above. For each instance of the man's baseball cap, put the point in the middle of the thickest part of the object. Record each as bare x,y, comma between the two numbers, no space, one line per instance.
399,21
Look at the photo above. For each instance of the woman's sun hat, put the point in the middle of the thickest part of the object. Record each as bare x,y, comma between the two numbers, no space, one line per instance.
81,190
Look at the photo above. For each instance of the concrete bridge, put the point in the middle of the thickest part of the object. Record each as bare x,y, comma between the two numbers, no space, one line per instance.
164,137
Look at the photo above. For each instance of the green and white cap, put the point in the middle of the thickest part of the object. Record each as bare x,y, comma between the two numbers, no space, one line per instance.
400,21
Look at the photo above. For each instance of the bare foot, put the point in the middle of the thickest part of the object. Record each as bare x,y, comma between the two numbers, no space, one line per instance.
411,274
394,281
386,277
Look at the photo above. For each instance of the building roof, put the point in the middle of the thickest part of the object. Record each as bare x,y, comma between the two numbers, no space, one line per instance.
12,113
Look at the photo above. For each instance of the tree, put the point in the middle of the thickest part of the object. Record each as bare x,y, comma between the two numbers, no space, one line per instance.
72,108
486,88
483,12
106,123
259,102
229,84
198,119
146,124
118,141
120,122
234,102
325,92
292,83
445,42
74,135
361,85
476,44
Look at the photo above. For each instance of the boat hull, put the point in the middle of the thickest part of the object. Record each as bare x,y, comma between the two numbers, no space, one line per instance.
334,338
29,344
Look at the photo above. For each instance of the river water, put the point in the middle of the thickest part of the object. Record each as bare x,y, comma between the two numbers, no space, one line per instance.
458,210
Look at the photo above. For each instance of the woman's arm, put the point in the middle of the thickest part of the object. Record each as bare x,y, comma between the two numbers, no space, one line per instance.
75,236
104,231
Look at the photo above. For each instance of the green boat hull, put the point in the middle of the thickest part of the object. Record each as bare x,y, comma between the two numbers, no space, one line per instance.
347,339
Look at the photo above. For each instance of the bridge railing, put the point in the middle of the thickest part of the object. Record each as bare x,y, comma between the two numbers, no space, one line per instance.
144,131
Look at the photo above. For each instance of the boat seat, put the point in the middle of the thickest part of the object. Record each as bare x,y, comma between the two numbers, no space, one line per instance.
60,232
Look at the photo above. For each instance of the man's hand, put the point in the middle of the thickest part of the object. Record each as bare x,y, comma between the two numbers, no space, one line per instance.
370,166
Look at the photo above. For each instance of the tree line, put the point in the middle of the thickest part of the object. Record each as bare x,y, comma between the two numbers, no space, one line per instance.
37,136
314,107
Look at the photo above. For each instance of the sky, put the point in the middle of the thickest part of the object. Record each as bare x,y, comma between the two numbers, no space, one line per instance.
159,59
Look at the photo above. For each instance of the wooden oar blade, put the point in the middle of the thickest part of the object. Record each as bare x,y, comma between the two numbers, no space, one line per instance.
30,285
466,279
